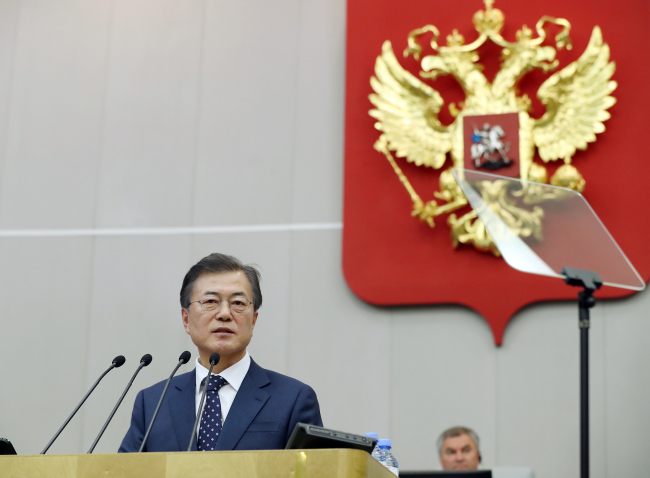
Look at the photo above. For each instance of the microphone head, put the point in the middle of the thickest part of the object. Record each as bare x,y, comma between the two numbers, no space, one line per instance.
214,358
185,357
119,361
146,359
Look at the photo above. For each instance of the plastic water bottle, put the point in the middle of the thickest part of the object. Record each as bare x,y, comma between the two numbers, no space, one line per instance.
376,452
387,458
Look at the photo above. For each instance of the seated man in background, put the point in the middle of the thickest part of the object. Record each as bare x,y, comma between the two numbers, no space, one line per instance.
458,448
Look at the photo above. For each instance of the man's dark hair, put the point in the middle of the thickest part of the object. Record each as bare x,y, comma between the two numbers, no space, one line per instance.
220,263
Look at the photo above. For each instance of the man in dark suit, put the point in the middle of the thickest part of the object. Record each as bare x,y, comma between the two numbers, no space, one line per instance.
247,407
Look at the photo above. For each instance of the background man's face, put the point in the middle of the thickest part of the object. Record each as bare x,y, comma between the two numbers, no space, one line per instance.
221,330
459,453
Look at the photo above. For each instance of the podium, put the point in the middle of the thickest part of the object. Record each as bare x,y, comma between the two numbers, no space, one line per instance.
330,463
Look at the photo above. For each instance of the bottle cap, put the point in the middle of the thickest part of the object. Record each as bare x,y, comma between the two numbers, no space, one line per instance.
372,435
384,443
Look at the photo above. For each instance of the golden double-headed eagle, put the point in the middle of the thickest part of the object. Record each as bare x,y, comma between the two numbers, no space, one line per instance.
407,109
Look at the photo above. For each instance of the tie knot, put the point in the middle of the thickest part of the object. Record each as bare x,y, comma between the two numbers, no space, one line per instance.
216,382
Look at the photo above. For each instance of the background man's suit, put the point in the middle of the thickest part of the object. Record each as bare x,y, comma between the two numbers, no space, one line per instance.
265,410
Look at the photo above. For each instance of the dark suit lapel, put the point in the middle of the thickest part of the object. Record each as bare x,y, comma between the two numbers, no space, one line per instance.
181,408
248,402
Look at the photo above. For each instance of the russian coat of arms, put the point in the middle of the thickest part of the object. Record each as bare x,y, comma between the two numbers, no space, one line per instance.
492,129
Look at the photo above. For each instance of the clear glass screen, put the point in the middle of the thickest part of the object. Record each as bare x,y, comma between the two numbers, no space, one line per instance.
540,229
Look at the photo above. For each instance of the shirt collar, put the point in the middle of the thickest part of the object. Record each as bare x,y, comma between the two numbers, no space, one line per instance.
234,374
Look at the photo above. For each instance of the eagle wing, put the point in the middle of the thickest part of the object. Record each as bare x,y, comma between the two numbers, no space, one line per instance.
577,99
407,113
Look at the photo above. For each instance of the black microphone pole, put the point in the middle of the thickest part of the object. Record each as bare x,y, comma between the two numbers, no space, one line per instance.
183,359
117,362
214,360
144,361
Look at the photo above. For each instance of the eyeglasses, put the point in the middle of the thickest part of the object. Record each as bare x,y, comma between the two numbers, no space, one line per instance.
237,304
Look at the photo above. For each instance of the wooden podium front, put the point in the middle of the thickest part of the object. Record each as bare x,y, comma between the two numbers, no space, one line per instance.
335,463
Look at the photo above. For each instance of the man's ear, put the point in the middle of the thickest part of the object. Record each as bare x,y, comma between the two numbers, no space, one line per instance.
186,320
479,458
255,318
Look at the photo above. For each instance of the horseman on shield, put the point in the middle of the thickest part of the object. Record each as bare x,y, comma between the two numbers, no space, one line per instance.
486,143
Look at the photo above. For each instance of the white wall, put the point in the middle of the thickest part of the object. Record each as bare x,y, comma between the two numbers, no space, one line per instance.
188,113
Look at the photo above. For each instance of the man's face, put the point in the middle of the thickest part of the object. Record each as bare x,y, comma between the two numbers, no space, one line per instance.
221,330
459,453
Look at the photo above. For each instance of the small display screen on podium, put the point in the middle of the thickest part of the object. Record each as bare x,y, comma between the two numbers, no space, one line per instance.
306,436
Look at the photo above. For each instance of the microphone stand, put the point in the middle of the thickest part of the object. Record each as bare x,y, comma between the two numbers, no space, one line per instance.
146,360
183,359
117,362
214,360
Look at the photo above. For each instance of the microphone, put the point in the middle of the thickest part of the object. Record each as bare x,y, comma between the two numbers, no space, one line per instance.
144,361
117,362
183,359
214,360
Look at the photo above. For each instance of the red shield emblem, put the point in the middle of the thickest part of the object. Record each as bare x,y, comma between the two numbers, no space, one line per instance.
492,143
390,257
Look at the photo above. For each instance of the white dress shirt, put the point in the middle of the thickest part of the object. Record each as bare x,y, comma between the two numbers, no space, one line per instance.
234,375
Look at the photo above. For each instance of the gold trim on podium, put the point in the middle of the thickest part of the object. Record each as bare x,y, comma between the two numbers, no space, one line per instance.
334,463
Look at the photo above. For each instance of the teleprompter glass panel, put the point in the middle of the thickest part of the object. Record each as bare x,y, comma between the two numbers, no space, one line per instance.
540,229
